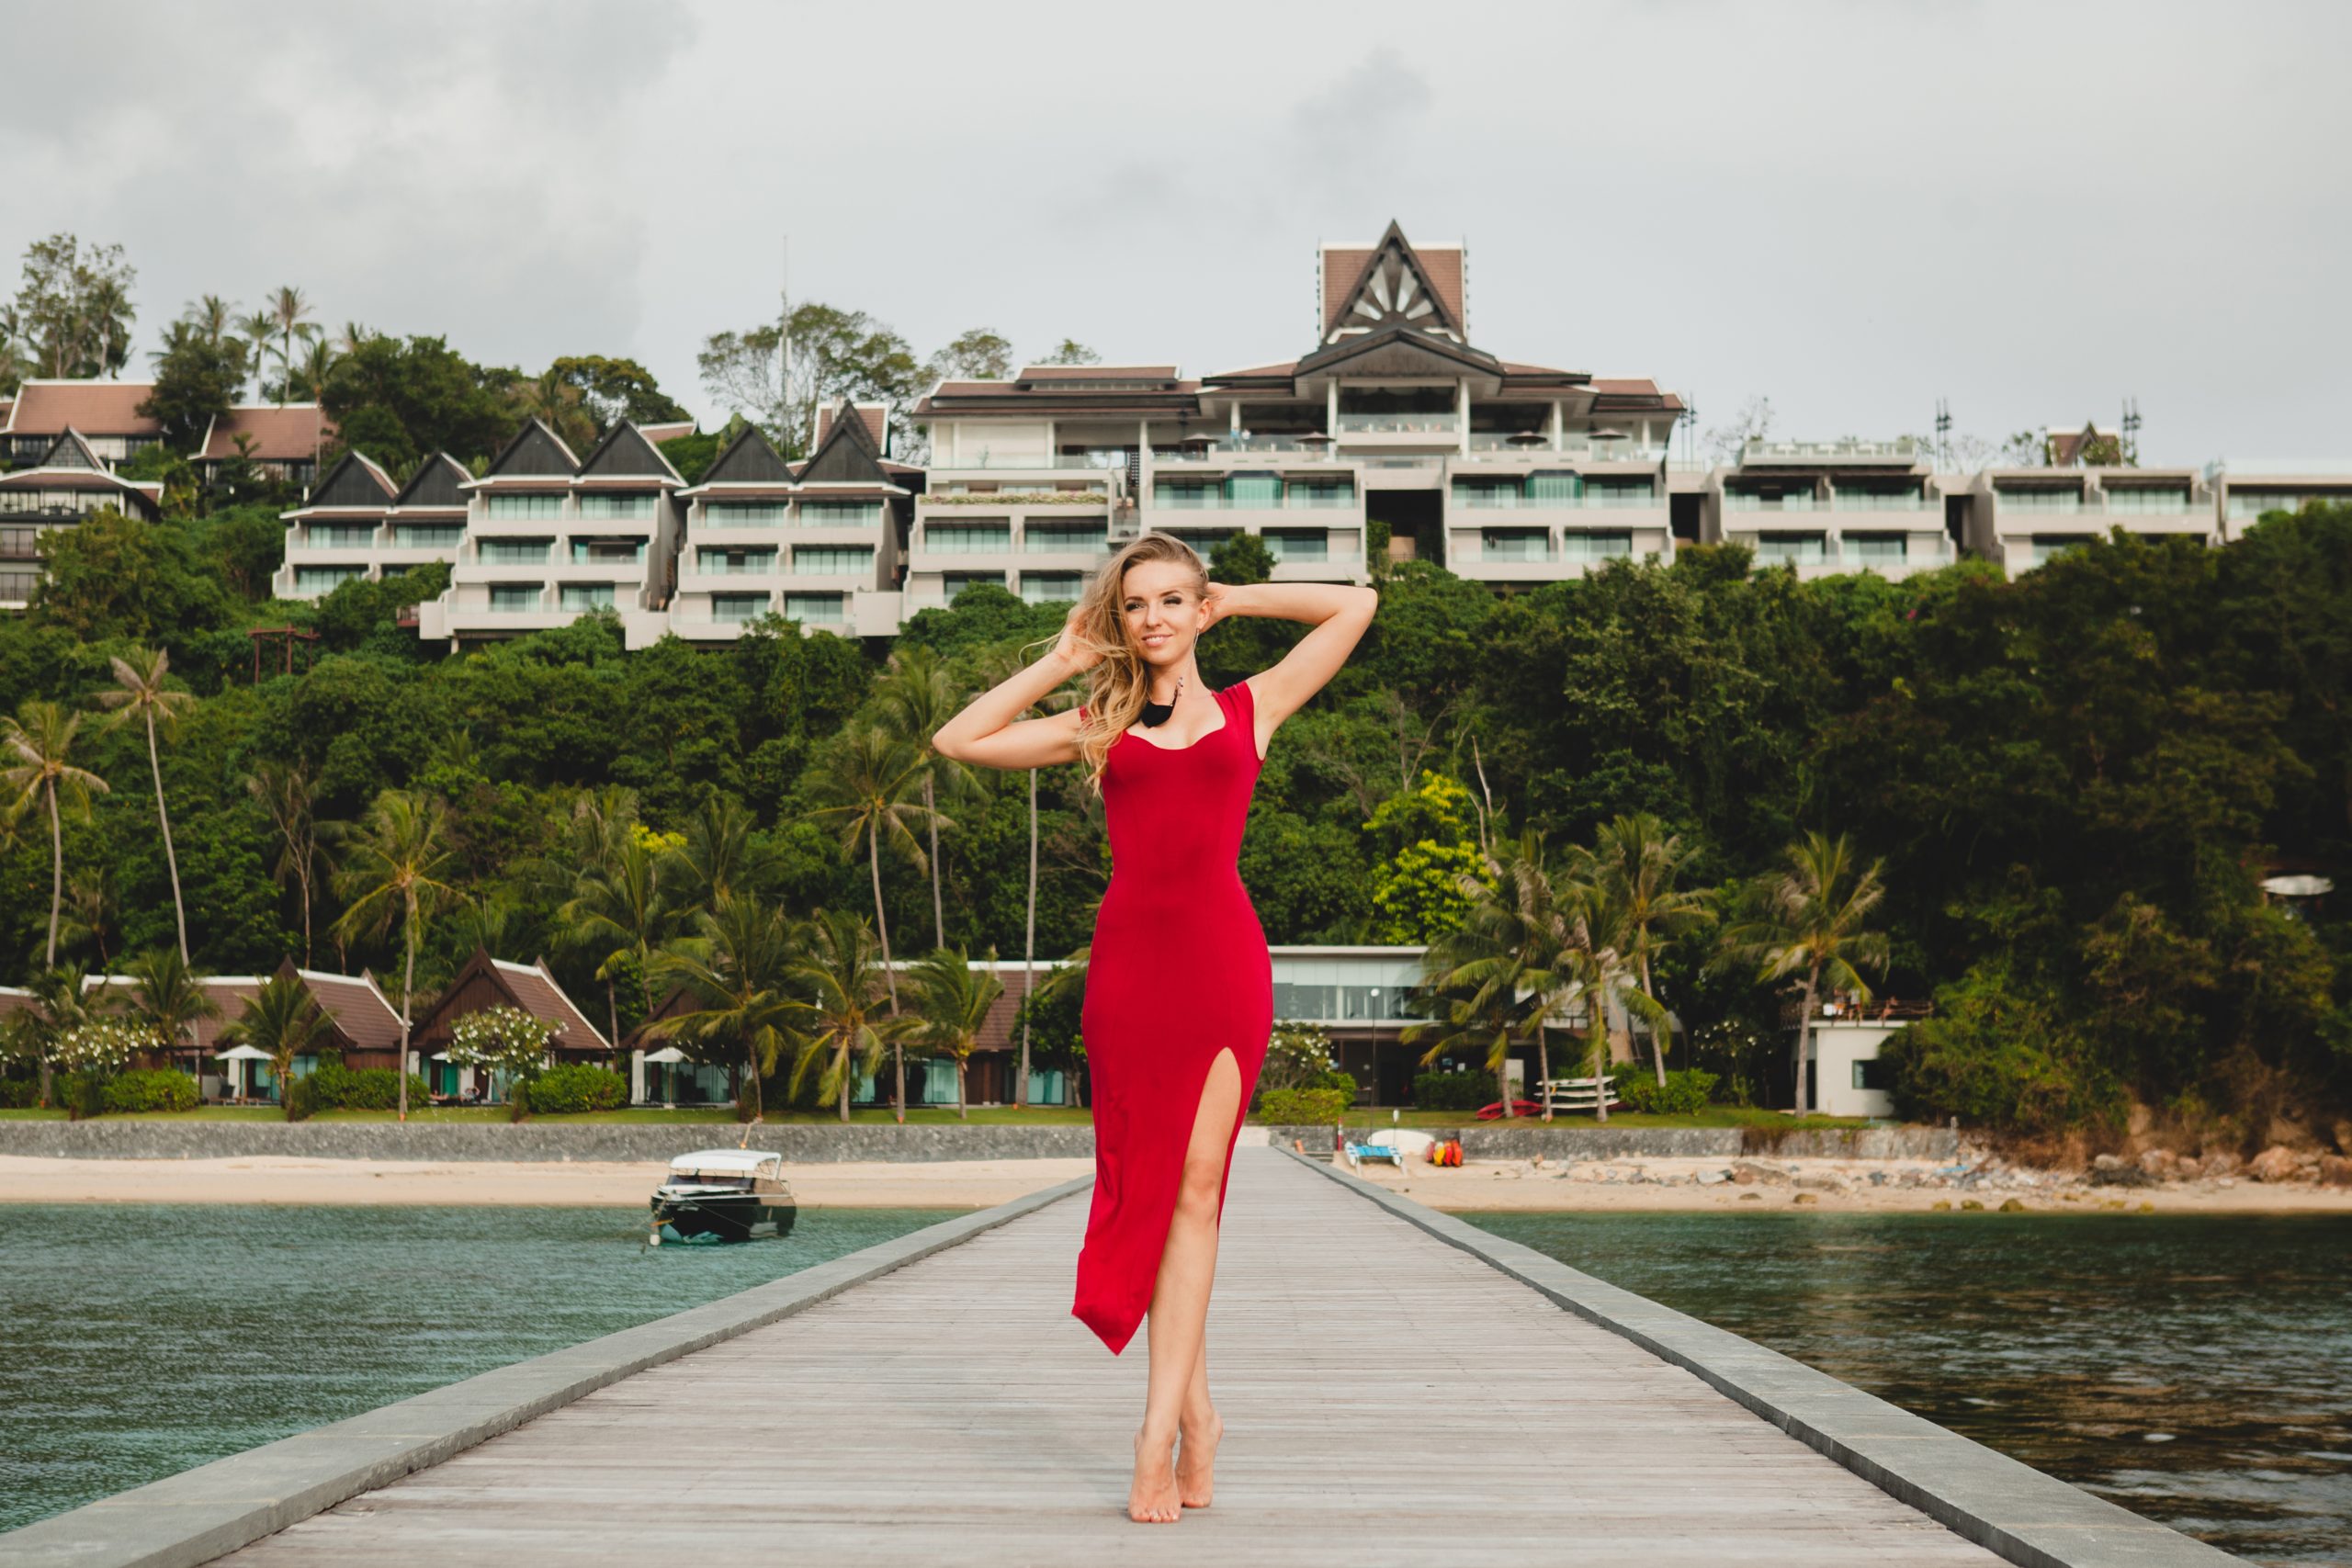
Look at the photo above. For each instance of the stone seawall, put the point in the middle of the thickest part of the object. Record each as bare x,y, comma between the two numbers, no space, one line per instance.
1486,1140
798,1141
807,1143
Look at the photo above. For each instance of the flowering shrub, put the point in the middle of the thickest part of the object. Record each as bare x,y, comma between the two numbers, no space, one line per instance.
104,1046
502,1039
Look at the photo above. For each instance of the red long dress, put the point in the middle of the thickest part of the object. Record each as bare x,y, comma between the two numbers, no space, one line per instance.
1178,972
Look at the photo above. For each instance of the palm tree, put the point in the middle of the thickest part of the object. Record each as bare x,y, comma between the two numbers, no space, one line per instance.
1598,924
843,1030
36,752
558,404
395,875
91,909
952,1002
212,317
355,337
1808,918
139,692
1000,662
621,911
290,794
1512,940
289,313
720,855
738,964
1640,863
170,995
914,697
868,790
259,327
281,1019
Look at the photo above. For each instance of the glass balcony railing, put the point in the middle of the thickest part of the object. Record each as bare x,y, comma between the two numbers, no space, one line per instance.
1399,423
2147,503
1748,501
710,564
1843,500
1035,461
2039,500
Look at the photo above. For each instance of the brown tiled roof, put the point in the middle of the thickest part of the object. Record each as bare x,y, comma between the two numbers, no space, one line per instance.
875,416
1097,373
280,435
362,1011
1633,392
93,408
1285,367
668,431
536,992
1344,268
996,1032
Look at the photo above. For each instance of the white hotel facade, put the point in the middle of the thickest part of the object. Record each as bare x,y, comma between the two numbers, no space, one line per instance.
1395,431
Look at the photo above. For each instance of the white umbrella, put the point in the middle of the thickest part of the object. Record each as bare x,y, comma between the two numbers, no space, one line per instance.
240,1054
666,1055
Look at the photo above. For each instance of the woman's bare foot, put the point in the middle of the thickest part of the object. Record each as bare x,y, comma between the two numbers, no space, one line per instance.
1152,1499
1197,1460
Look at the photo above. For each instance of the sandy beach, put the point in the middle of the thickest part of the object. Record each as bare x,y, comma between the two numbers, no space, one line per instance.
1673,1185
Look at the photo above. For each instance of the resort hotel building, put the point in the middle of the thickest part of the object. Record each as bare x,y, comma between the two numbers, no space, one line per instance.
1395,435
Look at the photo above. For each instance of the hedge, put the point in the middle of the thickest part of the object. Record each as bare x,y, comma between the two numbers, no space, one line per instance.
574,1087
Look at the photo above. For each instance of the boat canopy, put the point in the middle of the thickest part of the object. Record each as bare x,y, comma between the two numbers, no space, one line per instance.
724,1162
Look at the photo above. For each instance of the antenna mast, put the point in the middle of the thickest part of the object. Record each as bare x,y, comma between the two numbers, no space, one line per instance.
2130,453
783,343
1943,430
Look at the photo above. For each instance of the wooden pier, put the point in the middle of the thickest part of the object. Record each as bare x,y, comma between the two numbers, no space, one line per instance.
1396,1385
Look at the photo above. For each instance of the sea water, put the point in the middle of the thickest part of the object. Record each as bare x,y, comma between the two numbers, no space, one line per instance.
137,1340
2197,1370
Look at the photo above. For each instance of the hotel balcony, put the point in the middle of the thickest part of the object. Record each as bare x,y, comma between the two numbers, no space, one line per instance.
934,587
1304,549
1820,552
2026,522
1361,430
1527,550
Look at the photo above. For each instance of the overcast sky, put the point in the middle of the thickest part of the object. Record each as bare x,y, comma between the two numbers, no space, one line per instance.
2033,211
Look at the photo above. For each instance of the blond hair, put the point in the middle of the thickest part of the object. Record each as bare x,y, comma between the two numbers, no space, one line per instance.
1119,683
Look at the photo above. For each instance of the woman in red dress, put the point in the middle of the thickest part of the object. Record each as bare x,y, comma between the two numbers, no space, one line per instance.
1179,987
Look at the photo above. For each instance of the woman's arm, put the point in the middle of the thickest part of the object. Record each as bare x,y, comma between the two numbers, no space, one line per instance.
990,731
1338,611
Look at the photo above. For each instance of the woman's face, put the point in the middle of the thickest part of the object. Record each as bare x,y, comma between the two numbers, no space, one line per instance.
1163,611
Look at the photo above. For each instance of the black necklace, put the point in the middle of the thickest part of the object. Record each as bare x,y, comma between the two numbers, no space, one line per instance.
1155,714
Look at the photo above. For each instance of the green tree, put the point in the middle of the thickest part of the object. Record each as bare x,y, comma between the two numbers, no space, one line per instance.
914,696
559,405
281,1019
289,792
979,355
845,1028
1417,890
1640,866
73,307
952,1003
112,576
139,694
869,793
738,966
1809,919
395,876
36,765
1069,351
1498,975
289,313
197,375
400,400
171,997
611,390
834,353
622,909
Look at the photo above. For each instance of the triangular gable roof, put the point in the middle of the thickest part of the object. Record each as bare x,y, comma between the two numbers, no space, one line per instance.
525,985
846,455
625,453
1409,341
750,458
436,483
1395,288
71,451
353,1004
536,452
877,423
353,482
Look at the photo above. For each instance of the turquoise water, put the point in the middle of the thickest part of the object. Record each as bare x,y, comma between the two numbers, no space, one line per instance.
2196,1370
137,1340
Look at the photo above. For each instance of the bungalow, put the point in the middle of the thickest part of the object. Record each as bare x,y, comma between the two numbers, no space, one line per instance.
105,413
485,982
69,482
282,440
361,1023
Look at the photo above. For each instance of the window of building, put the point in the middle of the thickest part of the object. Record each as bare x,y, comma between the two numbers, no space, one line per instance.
954,583
513,552
839,514
1878,550
2148,503
325,578
1582,547
1871,1073
1187,495
747,513
18,586
735,608
968,538
585,596
816,609
428,535
1285,546
1486,492
1337,492
1876,498
1514,543
834,560
2039,500
19,542
1254,490
1549,487
608,552
1203,540
1763,498
514,595
341,535
54,502
623,508
1624,493
737,563
2042,546
1041,534
1048,587
2251,503
1792,549
522,506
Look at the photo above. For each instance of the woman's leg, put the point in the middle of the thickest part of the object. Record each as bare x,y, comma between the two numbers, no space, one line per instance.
1180,1305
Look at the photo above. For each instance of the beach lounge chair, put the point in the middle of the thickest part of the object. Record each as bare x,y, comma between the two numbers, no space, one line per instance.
1359,1152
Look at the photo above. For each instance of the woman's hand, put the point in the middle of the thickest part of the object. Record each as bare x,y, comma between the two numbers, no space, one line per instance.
1220,600
1069,649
